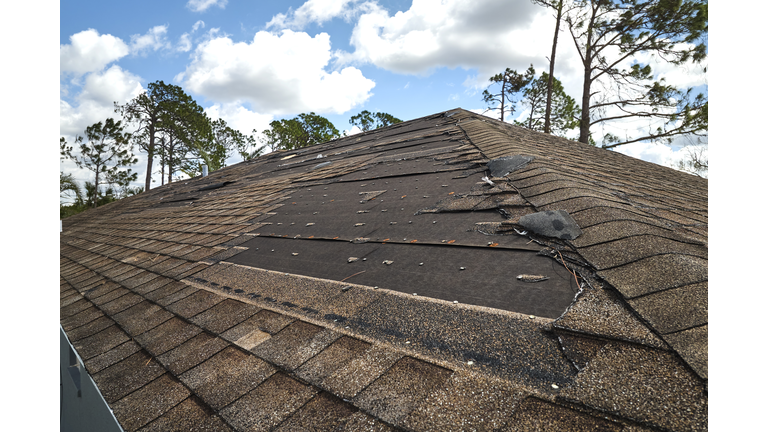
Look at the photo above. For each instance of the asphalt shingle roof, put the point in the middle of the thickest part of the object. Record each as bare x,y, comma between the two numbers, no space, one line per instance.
391,280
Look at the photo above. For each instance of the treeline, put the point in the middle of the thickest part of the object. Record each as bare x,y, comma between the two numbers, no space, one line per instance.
608,34
177,137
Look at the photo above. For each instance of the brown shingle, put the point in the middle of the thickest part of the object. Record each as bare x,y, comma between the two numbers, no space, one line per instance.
191,353
226,376
167,336
142,317
466,401
322,412
149,402
675,309
618,381
224,315
126,376
401,389
295,344
334,357
268,404
100,342
195,303
536,414
191,415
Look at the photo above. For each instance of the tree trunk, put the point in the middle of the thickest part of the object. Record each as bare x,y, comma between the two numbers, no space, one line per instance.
503,89
95,190
170,159
585,96
547,124
150,156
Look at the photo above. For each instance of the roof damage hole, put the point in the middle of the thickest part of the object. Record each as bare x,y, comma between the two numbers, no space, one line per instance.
216,186
504,165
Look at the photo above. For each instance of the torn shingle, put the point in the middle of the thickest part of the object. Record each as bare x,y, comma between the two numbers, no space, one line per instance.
557,224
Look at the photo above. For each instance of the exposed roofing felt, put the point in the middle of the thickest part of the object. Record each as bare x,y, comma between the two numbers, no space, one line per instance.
446,273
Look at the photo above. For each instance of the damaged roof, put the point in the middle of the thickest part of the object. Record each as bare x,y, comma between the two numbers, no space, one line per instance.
447,273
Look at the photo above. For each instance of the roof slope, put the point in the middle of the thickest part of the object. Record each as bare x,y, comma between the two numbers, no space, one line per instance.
446,273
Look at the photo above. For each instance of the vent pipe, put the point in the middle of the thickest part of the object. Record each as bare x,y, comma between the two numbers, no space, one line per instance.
205,170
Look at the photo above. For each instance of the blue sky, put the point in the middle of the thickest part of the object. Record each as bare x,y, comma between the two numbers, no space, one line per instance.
251,62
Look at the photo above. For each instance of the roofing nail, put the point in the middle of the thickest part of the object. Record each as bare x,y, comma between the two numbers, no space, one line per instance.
387,262
434,222
554,386
421,264
455,301
294,253
461,268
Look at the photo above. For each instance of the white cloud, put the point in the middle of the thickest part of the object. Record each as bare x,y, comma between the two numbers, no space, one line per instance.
276,74
318,11
203,5
154,39
185,41
95,103
89,52
486,34
96,100
240,118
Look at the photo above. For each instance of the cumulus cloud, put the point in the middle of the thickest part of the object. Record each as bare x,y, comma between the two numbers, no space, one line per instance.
203,5
319,12
88,51
485,34
276,74
154,39
95,102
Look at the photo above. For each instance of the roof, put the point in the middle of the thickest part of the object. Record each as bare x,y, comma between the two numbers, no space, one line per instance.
447,273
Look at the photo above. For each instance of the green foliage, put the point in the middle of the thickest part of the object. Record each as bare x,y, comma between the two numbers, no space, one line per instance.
564,114
167,122
105,150
302,131
512,83
607,34
368,121
215,146
68,188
